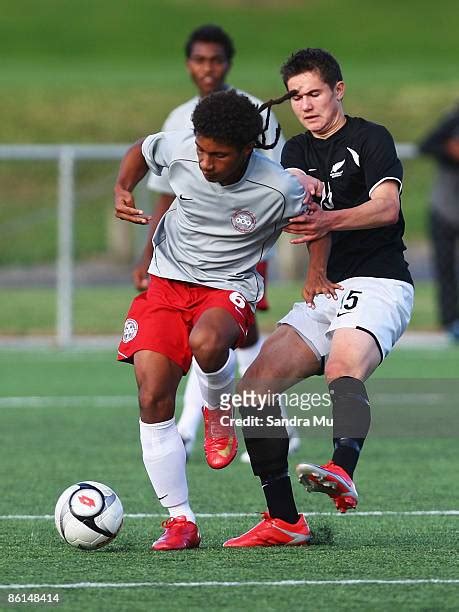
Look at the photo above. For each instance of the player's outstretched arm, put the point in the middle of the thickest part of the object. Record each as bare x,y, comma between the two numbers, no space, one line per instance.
383,208
132,169
316,279
140,270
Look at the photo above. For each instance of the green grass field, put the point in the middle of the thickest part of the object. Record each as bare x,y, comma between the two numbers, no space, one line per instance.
113,70
101,310
68,416
111,73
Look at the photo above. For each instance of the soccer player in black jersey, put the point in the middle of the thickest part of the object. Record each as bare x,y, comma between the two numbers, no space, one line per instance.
345,339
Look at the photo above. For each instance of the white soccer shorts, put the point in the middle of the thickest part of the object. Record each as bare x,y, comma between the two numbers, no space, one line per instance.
380,306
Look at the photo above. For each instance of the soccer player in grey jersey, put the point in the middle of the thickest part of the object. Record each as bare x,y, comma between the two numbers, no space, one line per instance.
231,205
212,247
209,53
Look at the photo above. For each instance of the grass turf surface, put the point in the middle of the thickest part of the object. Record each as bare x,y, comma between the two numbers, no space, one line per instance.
101,310
44,449
79,83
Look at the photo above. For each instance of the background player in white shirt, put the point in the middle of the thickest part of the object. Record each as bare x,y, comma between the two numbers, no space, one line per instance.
209,53
231,206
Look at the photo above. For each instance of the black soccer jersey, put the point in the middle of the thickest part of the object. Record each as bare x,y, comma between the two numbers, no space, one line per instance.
351,163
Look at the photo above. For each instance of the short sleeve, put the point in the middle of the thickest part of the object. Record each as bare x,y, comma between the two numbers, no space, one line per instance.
156,150
159,184
178,120
294,196
379,159
293,154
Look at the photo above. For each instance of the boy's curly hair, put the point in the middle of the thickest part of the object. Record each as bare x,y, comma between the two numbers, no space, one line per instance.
231,118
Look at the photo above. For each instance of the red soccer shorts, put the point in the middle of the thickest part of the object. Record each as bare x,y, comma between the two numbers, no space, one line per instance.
161,318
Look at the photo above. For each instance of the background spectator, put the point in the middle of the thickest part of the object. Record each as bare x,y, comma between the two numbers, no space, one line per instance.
443,144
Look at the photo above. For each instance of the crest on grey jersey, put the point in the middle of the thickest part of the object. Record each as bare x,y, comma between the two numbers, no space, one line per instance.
243,221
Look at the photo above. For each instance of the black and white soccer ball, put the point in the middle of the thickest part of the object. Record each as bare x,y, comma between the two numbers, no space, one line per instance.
88,515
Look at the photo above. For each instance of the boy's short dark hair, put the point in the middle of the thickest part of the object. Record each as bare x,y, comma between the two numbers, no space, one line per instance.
229,118
308,60
210,34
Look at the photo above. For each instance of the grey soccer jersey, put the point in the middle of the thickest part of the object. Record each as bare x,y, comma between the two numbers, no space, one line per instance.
180,119
215,235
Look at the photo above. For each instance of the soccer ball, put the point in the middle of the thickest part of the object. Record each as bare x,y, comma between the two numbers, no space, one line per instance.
88,515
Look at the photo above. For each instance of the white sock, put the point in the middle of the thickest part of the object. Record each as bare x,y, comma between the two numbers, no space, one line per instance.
164,459
245,356
183,510
214,384
191,416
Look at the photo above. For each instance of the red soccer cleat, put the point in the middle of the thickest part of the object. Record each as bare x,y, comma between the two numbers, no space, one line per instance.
330,479
178,535
220,441
273,532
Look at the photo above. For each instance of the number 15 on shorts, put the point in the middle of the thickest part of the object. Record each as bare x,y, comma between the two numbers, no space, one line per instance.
348,302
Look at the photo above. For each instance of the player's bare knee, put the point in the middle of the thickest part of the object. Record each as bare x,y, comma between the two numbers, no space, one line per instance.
258,377
202,340
209,348
336,368
155,405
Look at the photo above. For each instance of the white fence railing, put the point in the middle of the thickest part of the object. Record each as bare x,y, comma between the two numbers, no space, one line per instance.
66,156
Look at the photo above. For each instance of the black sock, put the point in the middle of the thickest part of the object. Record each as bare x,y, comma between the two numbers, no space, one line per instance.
267,446
279,497
266,443
345,456
351,421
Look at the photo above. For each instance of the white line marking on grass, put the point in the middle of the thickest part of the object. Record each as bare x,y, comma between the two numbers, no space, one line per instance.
215,583
48,517
308,514
74,401
71,401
